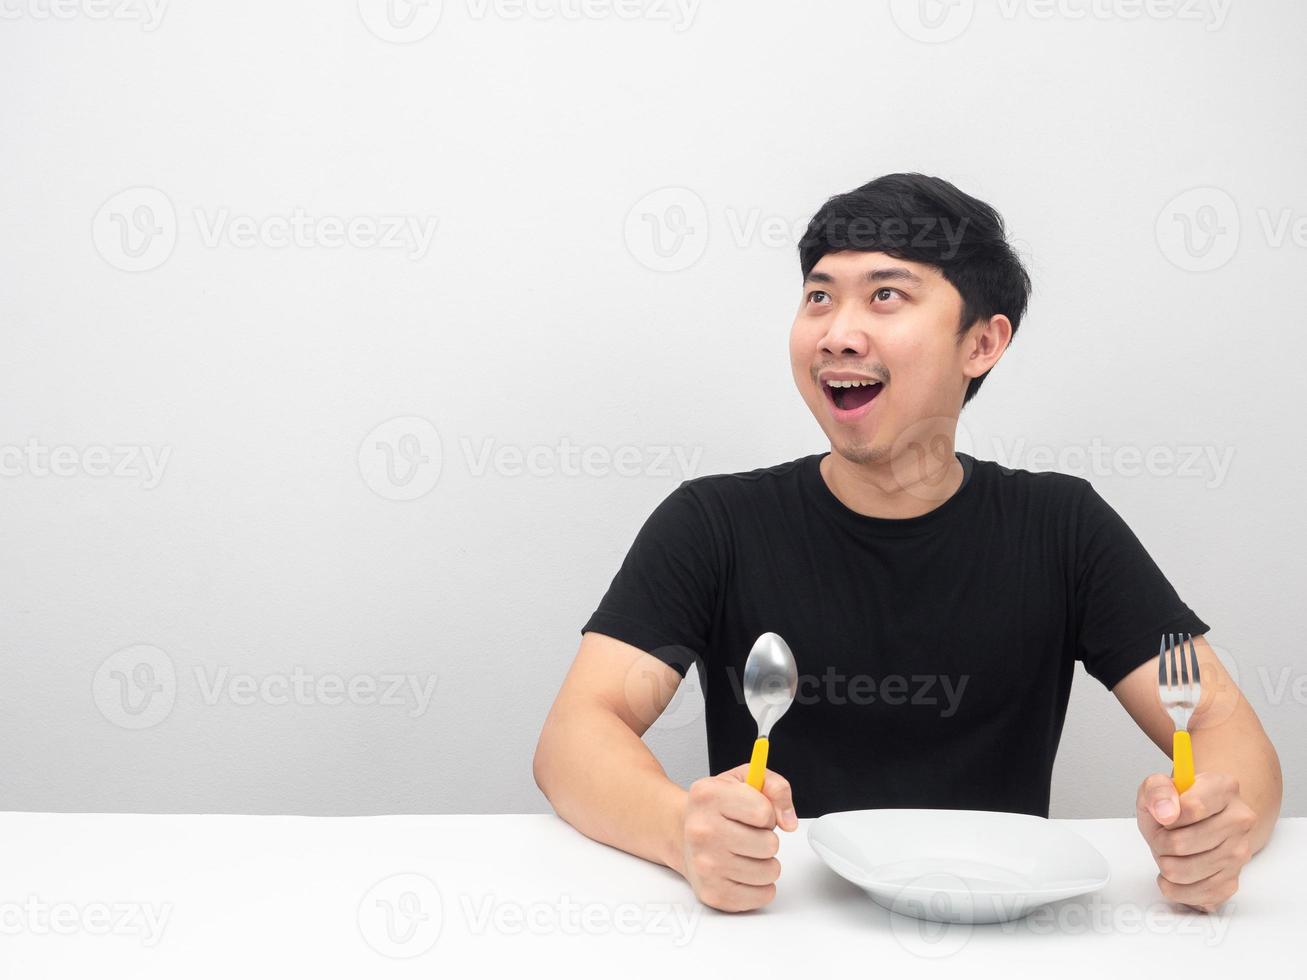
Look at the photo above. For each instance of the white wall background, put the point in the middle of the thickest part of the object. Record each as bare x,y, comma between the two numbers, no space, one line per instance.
151,305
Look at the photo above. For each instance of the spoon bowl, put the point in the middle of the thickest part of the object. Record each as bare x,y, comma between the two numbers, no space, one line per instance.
771,680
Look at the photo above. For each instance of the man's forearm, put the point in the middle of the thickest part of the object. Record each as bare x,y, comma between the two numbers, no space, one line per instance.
618,795
1250,757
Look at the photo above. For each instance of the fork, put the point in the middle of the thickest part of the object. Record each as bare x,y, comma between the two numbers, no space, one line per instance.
1178,687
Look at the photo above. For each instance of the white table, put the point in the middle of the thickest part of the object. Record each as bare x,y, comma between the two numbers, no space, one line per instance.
117,895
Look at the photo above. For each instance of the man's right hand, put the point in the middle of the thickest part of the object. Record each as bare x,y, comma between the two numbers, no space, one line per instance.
729,839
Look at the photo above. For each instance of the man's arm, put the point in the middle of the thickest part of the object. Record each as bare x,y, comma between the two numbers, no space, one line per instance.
1202,838
591,761
593,765
1226,733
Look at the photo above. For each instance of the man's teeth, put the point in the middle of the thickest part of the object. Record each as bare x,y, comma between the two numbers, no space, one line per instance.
851,384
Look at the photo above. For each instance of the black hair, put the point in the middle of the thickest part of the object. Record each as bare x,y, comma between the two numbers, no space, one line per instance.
928,220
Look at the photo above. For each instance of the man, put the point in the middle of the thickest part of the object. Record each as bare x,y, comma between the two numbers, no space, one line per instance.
935,603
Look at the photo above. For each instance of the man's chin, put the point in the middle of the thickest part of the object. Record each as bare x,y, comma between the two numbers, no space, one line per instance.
862,454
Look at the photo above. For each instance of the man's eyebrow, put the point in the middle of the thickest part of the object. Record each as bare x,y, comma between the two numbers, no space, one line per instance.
893,273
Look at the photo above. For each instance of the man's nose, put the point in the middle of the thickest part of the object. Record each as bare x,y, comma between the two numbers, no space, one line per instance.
846,335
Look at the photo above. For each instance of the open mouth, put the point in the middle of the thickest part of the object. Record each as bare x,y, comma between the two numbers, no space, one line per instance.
849,396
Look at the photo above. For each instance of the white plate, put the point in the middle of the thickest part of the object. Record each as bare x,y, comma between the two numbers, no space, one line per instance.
958,865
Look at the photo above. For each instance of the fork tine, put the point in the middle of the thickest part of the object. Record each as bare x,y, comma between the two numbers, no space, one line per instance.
1161,664
1184,662
1193,656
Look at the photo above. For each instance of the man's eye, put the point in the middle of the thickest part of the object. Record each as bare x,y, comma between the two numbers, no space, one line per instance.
884,289
815,293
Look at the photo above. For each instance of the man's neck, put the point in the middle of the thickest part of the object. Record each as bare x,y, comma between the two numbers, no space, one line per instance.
895,489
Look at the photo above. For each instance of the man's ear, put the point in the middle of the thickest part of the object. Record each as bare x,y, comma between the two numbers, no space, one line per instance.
984,343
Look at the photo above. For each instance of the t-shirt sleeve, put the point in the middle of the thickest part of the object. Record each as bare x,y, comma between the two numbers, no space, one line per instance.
662,598
1123,601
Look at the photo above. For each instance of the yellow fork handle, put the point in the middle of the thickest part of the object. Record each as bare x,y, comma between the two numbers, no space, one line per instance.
758,764
1182,757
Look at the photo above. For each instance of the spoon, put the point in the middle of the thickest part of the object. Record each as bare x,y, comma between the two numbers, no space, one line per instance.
771,680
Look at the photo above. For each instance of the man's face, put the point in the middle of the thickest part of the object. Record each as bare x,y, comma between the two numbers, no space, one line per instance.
867,315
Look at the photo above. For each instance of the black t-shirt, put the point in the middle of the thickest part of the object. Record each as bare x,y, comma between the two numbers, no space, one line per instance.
935,653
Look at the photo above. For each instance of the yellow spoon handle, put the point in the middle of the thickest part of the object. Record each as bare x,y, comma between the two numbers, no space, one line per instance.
1182,757
758,764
